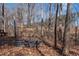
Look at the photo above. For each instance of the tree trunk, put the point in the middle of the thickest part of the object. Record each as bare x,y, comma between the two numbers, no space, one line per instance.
15,29
55,29
60,23
65,49
50,15
3,16
42,27
76,28
29,20
3,9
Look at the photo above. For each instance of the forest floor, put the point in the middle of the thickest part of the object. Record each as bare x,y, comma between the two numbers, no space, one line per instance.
45,49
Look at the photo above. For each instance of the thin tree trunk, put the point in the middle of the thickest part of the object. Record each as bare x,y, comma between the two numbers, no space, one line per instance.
55,29
41,27
3,16
15,29
29,20
65,49
50,15
60,23
3,9
76,34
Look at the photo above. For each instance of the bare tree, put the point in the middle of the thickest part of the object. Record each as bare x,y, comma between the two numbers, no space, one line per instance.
55,27
50,14
65,34
30,13
3,15
76,32
19,14
60,23
15,35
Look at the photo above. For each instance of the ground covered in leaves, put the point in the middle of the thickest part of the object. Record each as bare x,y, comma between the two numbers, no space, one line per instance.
24,51
45,49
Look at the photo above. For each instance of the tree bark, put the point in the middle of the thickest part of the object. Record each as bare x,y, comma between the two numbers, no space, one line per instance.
15,29
76,29
65,49
55,29
3,9
50,15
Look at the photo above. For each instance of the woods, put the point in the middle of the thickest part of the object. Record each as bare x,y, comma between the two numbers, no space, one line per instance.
46,28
